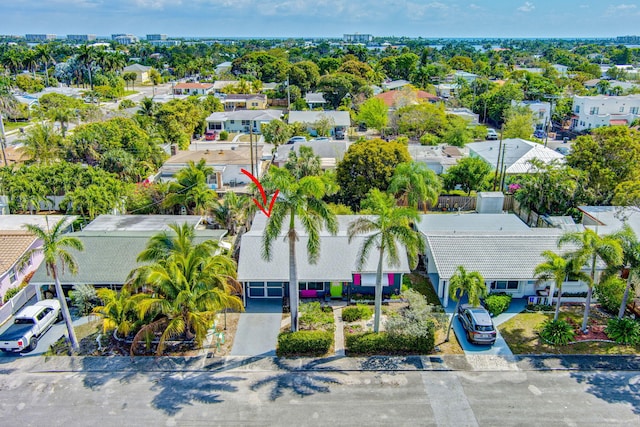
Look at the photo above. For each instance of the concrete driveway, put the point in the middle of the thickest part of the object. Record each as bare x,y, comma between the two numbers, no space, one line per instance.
258,328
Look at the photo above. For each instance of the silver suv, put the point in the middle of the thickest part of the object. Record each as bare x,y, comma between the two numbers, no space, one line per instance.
477,324
492,134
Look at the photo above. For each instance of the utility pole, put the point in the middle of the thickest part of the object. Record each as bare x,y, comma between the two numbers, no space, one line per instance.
288,95
3,140
495,177
251,149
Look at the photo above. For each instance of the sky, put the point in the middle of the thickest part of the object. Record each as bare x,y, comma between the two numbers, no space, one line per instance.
324,18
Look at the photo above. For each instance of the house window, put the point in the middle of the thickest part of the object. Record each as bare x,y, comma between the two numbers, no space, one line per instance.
12,275
621,109
254,104
311,286
634,110
503,285
577,108
594,110
246,122
232,122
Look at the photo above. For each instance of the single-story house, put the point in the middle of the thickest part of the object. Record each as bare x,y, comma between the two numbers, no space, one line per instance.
241,121
395,84
252,101
465,113
341,120
142,72
315,100
15,242
438,158
502,248
223,67
227,161
192,88
219,85
610,219
399,98
334,274
514,154
330,152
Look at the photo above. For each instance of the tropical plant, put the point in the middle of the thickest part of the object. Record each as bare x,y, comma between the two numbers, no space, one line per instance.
191,190
590,247
463,283
624,331
84,298
415,183
42,143
56,257
610,291
386,226
301,199
630,262
304,164
117,310
557,332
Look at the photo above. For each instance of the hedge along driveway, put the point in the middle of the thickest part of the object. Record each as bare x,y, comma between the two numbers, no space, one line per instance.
258,328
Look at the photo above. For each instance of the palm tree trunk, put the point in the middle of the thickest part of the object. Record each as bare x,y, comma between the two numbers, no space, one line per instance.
293,280
625,297
555,317
451,321
65,311
587,308
378,293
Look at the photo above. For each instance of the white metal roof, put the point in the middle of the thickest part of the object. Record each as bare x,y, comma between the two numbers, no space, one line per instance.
454,222
340,118
517,153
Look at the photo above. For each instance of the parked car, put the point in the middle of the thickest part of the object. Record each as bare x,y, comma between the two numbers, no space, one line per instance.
340,134
210,135
477,324
29,325
297,139
492,134
539,133
321,139
563,150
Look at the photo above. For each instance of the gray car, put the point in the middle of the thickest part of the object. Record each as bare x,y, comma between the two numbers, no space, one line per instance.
477,324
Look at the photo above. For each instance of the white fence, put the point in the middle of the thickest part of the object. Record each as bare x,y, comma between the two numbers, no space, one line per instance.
15,303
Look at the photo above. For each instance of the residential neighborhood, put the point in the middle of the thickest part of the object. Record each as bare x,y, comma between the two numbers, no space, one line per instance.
375,208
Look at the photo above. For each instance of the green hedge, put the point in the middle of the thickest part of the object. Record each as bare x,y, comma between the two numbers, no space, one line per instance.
304,343
371,343
351,314
497,303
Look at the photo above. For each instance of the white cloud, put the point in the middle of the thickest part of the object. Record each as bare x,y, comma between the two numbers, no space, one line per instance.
474,6
526,7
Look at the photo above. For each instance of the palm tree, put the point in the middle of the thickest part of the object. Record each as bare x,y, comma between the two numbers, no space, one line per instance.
54,249
43,54
461,284
590,248
191,190
557,268
87,57
302,199
415,183
388,226
231,211
117,311
630,261
305,164
42,143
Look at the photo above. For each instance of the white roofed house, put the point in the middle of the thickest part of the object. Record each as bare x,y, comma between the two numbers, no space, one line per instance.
503,249
340,120
241,121
334,274
513,155
330,152
595,111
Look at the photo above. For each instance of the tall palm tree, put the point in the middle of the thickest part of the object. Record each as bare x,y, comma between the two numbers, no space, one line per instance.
415,183
557,268
232,211
461,284
388,226
300,199
630,261
42,143
87,57
305,164
191,190
44,55
54,249
590,247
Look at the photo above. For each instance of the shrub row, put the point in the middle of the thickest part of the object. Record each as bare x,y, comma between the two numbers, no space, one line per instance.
623,331
497,303
314,316
351,314
371,343
304,343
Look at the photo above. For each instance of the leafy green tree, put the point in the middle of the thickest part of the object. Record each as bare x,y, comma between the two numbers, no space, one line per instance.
54,249
416,120
41,143
590,247
415,183
232,211
463,283
374,113
366,165
518,123
388,226
178,120
469,173
276,132
118,311
456,131
630,262
302,199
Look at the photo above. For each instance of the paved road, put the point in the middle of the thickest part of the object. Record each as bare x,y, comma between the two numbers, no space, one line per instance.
35,391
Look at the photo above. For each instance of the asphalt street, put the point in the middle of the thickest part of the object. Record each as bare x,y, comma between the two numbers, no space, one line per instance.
265,391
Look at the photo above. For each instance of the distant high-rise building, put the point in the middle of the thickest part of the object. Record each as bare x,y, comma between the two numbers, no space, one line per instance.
39,37
357,38
156,37
81,37
124,38
628,39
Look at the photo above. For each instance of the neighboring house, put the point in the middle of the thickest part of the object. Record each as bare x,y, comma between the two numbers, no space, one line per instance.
234,102
142,72
341,120
193,89
514,154
330,152
595,111
223,67
609,219
395,84
464,75
242,121
395,99
227,161
335,273
561,69
315,100
15,242
140,222
541,112
611,85
218,85
438,158
503,249
446,90
109,257
29,100
465,113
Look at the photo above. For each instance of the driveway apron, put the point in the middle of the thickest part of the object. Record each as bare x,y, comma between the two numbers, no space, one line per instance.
258,328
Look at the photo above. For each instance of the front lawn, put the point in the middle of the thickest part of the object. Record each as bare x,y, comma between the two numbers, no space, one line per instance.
521,334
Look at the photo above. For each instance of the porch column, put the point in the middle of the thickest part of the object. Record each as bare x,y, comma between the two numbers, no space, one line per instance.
440,288
446,294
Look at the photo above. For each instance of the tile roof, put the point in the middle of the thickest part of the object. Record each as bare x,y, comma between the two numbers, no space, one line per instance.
13,244
193,86
392,97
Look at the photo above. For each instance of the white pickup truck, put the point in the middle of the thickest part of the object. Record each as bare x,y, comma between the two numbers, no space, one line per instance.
29,325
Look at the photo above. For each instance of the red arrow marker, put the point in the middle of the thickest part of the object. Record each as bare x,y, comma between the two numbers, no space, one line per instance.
262,205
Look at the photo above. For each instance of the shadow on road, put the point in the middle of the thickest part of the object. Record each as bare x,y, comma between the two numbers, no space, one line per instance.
622,387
